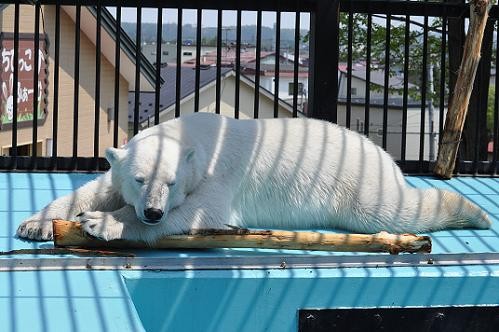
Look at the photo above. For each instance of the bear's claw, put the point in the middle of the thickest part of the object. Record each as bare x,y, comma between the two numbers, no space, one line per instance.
101,225
39,230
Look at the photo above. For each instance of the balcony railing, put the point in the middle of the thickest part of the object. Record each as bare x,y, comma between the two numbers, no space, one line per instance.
383,68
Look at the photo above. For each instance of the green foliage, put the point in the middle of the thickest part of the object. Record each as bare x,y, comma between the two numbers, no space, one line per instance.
491,109
396,49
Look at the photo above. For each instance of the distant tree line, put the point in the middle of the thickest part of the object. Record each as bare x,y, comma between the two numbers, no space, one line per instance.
209,34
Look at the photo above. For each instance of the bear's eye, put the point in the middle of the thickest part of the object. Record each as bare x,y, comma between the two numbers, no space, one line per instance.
139,179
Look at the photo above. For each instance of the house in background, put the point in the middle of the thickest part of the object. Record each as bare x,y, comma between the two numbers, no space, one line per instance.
206,97
169,52
87,72
227,57
395,112
286,76
146,110
247,58
267,70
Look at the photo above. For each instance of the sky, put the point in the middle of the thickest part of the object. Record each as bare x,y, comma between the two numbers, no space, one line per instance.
209,18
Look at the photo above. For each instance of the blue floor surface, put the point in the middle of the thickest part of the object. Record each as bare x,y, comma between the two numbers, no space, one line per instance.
22,194
228,299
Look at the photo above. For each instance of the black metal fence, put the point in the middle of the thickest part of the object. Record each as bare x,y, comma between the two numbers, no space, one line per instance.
383,68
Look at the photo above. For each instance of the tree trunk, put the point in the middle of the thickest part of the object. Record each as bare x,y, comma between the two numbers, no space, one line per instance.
458,105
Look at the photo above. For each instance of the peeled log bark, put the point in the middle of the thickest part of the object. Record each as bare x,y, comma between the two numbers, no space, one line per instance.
454,122
70,234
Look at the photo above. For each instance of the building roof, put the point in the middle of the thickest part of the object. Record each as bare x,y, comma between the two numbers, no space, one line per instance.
288,57
228,57
248,62
266,69
127,45
377,76
167,91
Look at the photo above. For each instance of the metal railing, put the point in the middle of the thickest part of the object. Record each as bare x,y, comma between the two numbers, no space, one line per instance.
331,61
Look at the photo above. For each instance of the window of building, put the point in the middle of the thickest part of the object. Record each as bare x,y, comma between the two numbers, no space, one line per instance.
354,91
23,150
187,53
359,126
291,87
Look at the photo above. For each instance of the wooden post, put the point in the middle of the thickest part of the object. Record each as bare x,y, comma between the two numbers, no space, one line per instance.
446,160
70,234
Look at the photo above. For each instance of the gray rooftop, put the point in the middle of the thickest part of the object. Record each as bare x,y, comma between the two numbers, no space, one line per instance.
283,67
378,78
167,91
393,102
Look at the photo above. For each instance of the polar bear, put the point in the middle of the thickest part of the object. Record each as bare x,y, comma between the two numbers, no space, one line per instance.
210,171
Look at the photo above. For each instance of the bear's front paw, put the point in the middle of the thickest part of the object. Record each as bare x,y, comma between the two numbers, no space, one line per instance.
39,230
102,225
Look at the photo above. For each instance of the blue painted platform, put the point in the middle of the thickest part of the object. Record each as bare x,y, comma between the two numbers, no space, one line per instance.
230,289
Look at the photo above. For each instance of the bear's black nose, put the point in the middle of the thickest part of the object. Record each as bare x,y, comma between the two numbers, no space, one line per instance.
153,214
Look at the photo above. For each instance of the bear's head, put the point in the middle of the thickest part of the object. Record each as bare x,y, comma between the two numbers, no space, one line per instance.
154,174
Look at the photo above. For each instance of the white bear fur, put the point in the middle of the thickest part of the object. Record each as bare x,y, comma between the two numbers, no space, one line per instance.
210,171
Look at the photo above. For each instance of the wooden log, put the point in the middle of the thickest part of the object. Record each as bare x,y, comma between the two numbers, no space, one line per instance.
70,234
456,115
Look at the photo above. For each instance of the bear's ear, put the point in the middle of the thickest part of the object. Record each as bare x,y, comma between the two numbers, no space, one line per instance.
114,155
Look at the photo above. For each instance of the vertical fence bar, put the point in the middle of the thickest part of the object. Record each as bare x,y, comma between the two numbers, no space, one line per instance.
424,82
368,75
442,79
55,104
138,43
495,150
296,61
219,62
323,68
386,89
159,44
117,59
76,91
178,74
97,85
36,67
349,67
238,64
198,59
407,29
14,85
256,104
277,62
476,114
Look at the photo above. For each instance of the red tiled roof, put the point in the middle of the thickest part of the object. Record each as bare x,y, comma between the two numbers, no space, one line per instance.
228,57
